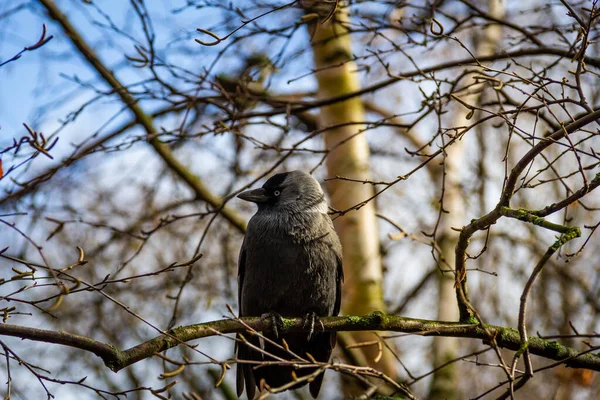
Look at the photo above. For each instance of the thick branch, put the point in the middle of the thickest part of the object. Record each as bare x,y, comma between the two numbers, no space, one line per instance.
539,51
117,359
144,119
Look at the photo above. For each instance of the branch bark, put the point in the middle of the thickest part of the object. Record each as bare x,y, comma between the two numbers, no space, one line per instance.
116,359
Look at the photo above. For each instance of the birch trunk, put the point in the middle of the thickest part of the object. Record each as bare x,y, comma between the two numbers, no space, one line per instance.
349,157
445,381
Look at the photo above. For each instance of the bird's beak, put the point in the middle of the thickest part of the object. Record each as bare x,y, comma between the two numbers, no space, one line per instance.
255,195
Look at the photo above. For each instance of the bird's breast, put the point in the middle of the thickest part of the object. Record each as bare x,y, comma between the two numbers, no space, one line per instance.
288,275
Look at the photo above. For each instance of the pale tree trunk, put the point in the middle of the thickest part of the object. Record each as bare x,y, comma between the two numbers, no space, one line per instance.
445,381
358,232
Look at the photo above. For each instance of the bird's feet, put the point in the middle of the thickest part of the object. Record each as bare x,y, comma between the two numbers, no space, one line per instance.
309,321
276,322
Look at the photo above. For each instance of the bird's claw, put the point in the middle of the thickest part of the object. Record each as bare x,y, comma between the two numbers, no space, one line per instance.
309,320
276,321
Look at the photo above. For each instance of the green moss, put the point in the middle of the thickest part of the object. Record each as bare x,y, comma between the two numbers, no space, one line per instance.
522,348
508,334
180,330
568,233
376,318
553,346
287,323
114,348
175,331
572,233
523,214
537,220
373,319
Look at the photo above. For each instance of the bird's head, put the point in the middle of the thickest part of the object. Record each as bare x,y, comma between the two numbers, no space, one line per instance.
294,191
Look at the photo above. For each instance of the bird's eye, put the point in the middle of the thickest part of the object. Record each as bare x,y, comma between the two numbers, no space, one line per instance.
277,193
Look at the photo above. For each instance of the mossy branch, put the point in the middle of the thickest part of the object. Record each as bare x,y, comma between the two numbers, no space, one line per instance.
116,359
530,216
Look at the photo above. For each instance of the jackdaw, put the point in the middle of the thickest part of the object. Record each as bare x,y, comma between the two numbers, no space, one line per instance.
290,265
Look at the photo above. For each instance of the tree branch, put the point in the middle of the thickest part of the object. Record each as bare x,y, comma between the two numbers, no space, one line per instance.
501,208
538,51
195,183
116,359
80,152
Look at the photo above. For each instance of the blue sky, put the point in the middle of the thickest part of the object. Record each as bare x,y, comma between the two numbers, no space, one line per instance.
45,86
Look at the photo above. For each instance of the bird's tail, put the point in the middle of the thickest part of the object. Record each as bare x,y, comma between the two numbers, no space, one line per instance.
244,373
319,347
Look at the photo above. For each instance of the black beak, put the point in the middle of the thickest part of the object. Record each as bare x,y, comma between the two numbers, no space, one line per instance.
255,195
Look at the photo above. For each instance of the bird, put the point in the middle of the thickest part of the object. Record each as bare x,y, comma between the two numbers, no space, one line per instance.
290,265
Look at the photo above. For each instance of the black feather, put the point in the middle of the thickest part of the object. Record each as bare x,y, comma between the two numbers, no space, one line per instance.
275,181
291,264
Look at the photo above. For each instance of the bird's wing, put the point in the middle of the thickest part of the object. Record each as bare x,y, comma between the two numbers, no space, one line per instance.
241,272
339,281
315,386
238,349
244,371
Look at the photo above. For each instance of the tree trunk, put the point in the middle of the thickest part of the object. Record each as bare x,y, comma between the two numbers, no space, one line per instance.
349,157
